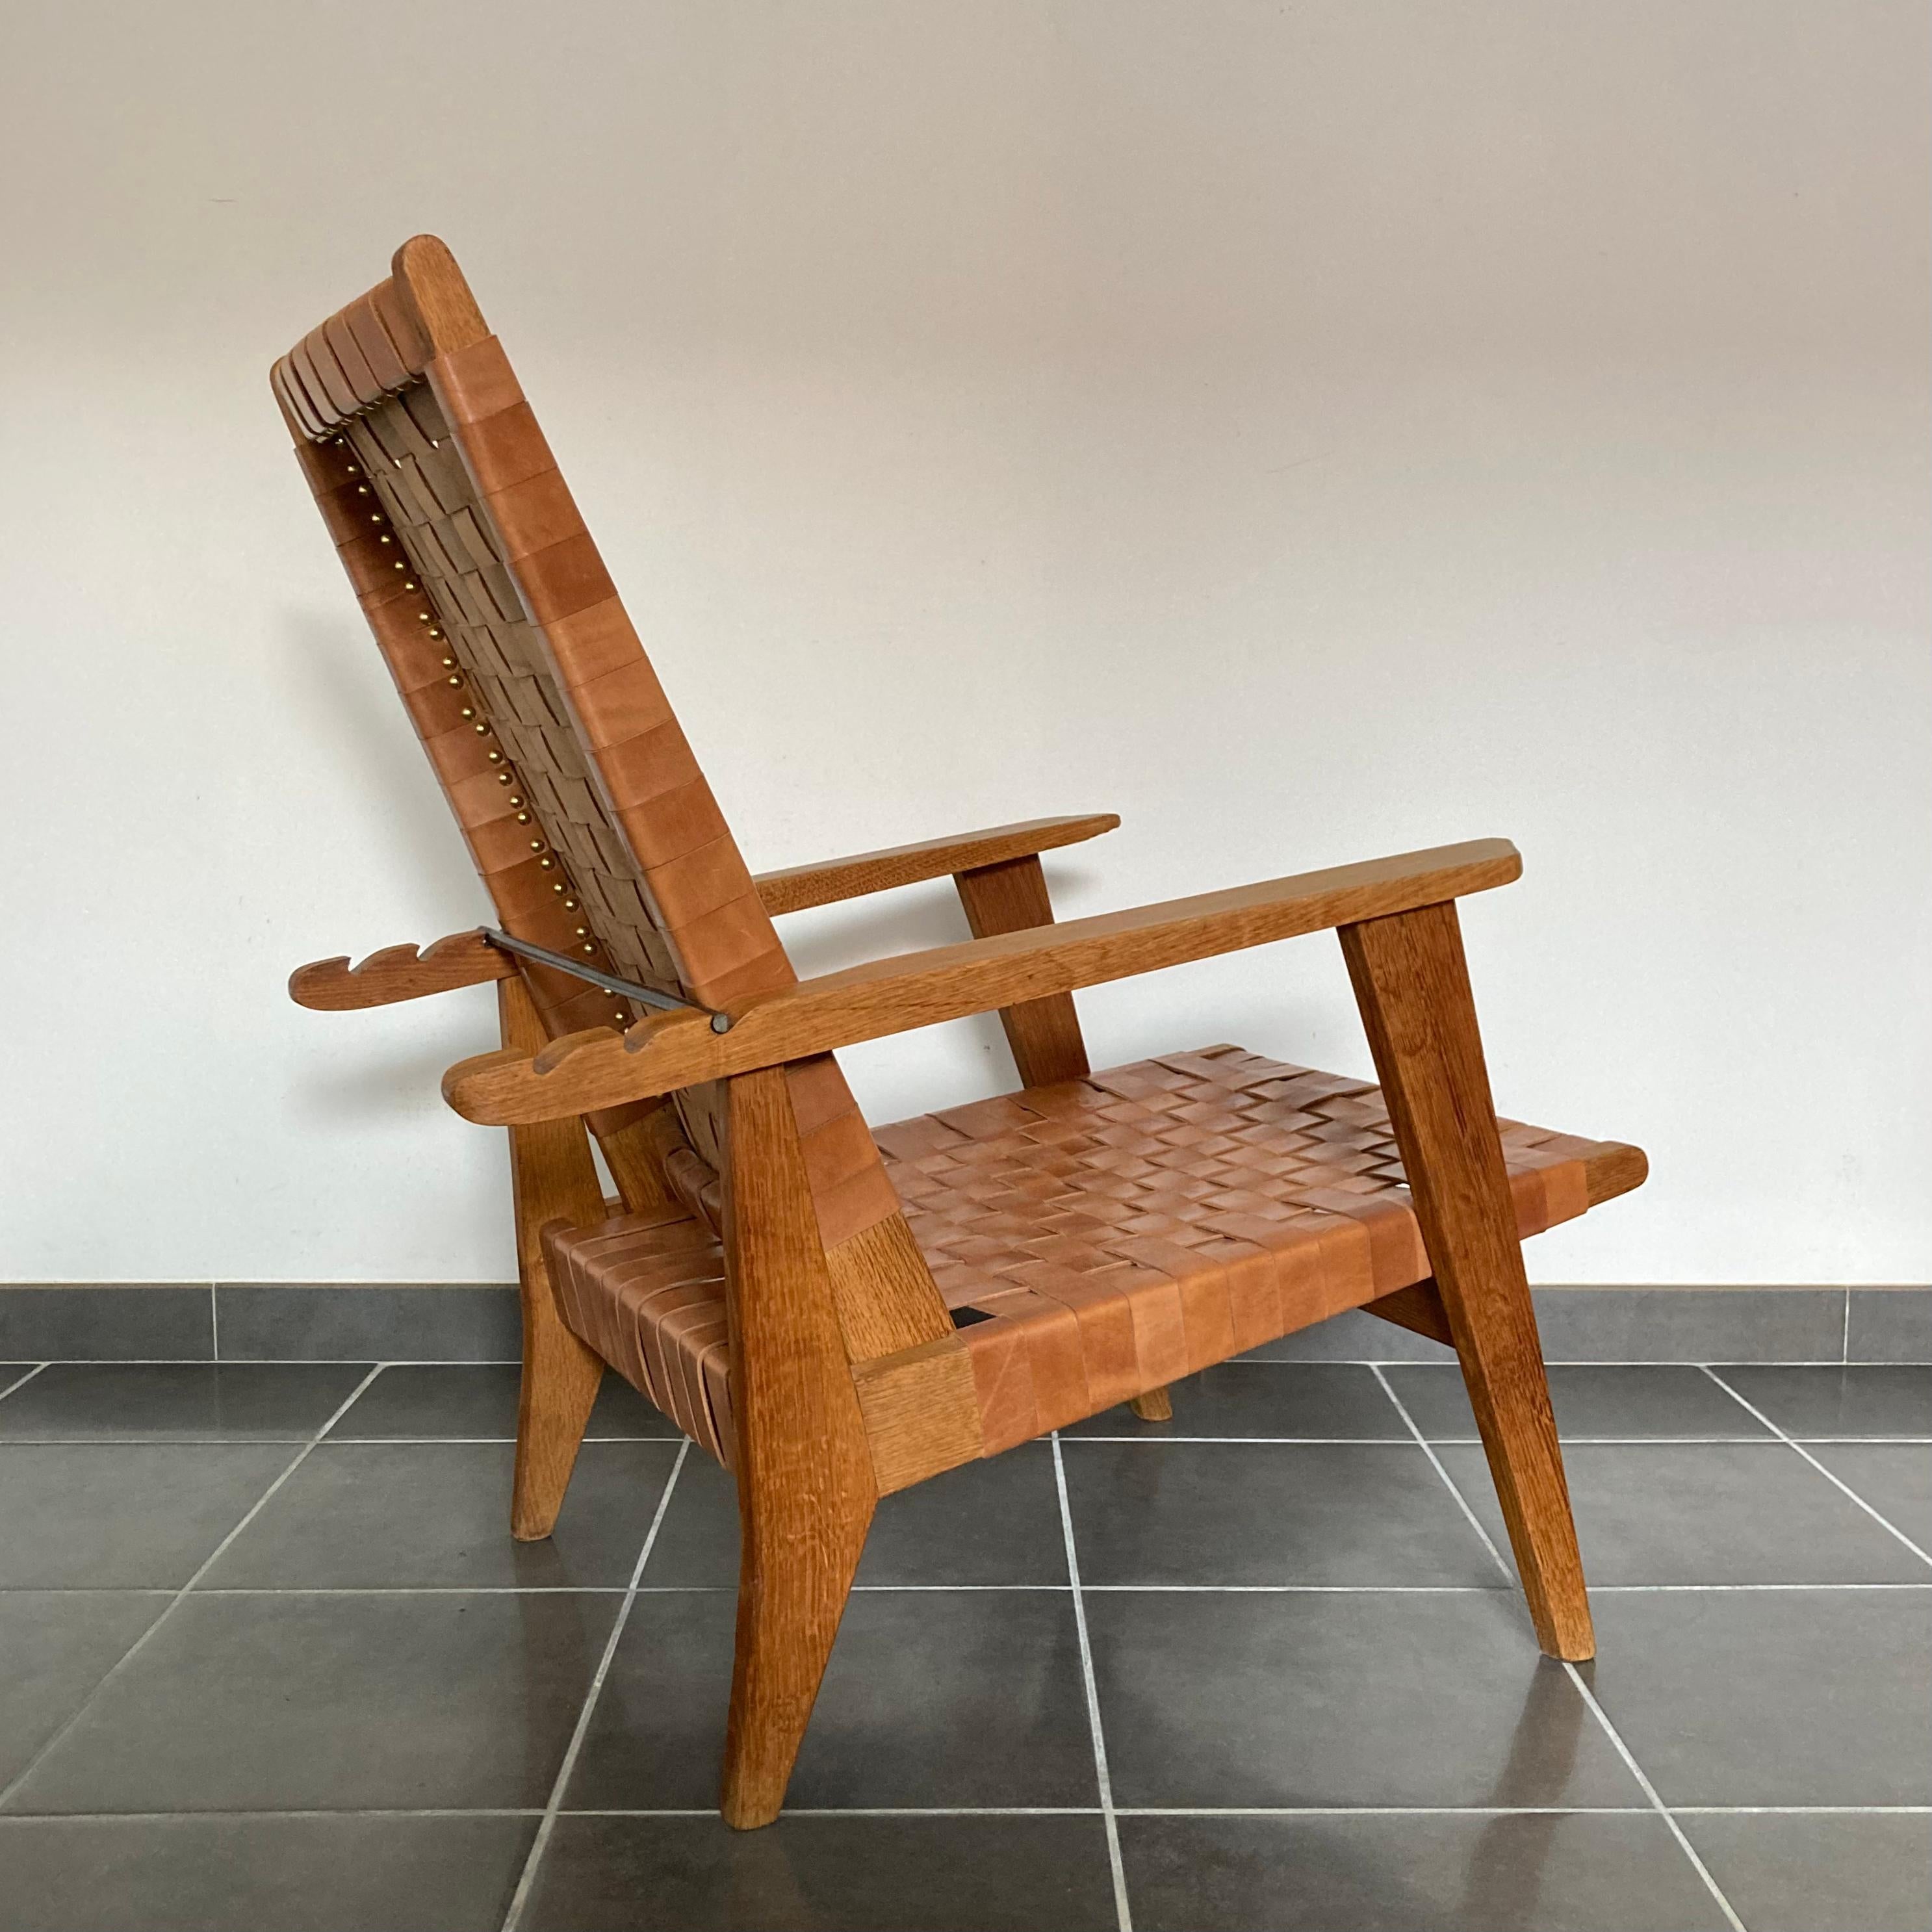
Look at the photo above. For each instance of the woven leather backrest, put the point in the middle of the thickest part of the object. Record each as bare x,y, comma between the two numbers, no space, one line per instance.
585,812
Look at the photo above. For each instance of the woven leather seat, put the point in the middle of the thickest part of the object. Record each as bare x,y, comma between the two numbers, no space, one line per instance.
836,1314
1103,1237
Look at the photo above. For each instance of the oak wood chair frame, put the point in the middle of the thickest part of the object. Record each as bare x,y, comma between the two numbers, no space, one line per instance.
832,1372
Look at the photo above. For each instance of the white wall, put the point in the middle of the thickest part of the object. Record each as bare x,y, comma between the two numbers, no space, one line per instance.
1311,430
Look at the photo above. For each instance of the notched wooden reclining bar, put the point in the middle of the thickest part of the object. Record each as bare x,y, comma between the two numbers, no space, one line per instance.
836,1313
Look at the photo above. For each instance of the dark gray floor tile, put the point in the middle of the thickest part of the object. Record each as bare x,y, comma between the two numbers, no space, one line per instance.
1786,1872
1889,1325
316,1874
1352,1336
1814,1404
473,1400
56,1648
1226,1698
1772,1696
1705,1513
1894,1477
365,1321
1691,1325
1318,1399
932,1698
124,1516
436,1515
996,1521
335,1703
1638,1400
148,1321
1561,1872
1353,1513
181,1402
860,1874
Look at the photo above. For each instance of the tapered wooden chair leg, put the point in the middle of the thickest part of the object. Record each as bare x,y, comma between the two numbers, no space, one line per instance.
552,1177
1412,984
1156,1406
806,1489
795,1573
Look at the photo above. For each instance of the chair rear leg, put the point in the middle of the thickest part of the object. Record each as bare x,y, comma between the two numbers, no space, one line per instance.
552,1177
806,1489
1156,1405
1412,984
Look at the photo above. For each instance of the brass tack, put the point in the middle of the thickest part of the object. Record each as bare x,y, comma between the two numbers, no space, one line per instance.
400,565
422,616
548,864
558,887
583,932
406,586
448,664
469,711
341,441
385,539
352,470
571,904
482,730
522,817
504,777
457,679
434,632
515,799
361,489
590,949
376,516
496,757
536,845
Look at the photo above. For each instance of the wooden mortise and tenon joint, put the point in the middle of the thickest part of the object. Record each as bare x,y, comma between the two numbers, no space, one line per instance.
833,1311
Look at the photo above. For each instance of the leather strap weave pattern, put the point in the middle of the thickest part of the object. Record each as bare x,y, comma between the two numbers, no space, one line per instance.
1115,1233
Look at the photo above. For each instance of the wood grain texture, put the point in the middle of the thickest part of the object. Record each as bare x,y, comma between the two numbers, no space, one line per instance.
883,1291
1412,985
797,887
597,1069
1154,1405
805,1486
399,973
1418,1309
636,1160
1044,1034
433,291
921,1411
552,1177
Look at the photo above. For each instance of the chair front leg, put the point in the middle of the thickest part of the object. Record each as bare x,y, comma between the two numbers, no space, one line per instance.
806,1489
551,1176
1412,984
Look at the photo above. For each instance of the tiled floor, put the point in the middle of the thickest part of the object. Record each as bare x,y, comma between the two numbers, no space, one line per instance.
272,1661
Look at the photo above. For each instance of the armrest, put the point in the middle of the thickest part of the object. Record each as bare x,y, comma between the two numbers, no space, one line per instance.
599,1068
798,886
399,973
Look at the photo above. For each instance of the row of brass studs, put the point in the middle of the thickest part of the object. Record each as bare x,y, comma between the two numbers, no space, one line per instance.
586,939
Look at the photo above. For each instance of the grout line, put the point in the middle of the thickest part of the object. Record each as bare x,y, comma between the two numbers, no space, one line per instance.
1651,1792
1473,1441
1623,1750
526,1881
1423,1443
214,1325
30,1818
1122,1911
1845,1345
21,1381
1837,1482
951,1589
175,1603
